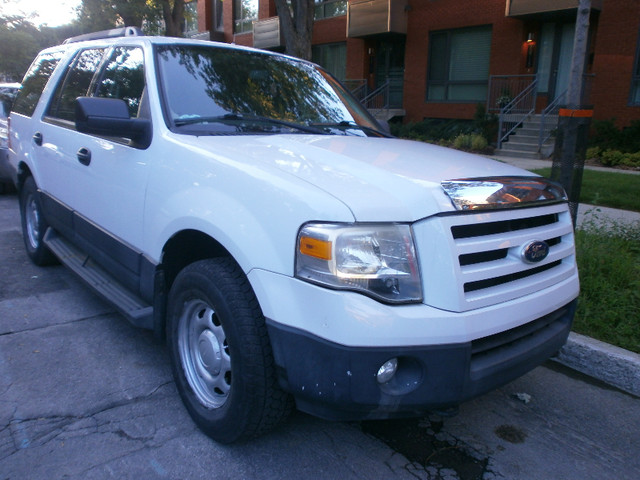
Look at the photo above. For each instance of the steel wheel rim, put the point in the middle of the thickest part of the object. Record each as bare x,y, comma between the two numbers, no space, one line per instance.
204,354
32,217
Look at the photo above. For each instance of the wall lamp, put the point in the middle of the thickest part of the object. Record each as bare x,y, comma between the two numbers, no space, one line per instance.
531,50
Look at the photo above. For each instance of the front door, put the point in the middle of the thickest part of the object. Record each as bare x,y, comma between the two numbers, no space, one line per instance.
390,66
96,177
554,63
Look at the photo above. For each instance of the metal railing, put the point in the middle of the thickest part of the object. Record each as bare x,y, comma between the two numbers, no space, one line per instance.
358,87
378,100
515,112
549,116
504,88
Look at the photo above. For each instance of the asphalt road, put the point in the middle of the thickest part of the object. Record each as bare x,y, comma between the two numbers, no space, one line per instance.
83,395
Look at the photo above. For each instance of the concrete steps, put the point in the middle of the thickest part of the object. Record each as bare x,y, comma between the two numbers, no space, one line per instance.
523,143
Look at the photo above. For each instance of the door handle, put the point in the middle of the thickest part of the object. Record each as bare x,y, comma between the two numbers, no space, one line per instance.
84,156
37,138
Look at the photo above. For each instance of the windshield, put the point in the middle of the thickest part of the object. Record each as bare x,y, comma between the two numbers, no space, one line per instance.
213,90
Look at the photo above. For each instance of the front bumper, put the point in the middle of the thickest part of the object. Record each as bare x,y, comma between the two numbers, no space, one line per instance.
337,382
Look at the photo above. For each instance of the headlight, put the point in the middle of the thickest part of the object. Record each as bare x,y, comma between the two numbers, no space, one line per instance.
376,259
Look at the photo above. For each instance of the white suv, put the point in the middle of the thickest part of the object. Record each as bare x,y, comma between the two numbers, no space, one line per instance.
243,204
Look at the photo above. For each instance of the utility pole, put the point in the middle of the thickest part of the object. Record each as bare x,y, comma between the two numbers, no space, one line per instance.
575,119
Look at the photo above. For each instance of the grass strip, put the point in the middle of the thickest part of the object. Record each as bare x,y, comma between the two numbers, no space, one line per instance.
609,265
607,189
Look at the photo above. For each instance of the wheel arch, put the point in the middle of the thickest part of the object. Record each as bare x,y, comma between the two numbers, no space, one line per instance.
24,172
182,249
186,247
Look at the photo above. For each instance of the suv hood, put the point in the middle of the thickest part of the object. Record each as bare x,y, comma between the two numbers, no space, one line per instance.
379,179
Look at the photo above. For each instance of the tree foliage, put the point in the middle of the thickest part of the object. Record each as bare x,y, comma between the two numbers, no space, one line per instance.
21,40
153,16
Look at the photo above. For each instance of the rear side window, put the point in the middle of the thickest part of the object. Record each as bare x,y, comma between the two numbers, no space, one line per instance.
123,78
34,82
76,83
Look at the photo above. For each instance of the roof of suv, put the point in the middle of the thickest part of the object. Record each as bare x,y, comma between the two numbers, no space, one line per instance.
131,34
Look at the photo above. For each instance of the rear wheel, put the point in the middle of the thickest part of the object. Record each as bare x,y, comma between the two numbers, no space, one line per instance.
34,225
222,360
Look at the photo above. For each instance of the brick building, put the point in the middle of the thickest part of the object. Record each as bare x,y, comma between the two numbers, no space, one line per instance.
443,57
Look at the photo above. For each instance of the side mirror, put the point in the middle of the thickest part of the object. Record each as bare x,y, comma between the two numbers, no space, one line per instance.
110,117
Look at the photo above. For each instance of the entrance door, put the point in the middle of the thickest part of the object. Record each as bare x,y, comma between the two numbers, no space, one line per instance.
554,62
390,65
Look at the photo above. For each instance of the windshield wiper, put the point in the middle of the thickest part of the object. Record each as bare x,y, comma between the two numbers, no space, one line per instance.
234,118
348,125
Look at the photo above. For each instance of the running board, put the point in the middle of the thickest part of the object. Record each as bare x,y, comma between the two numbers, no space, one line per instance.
137,311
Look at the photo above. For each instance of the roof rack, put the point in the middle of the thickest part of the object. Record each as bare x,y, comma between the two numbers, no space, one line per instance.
113,33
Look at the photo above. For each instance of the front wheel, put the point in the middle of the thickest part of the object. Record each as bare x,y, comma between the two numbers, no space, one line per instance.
222,360
34,225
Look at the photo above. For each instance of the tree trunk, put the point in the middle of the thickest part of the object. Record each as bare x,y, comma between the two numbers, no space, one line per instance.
173,17
296,23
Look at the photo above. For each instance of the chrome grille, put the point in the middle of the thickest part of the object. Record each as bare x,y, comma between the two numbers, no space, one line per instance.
486,255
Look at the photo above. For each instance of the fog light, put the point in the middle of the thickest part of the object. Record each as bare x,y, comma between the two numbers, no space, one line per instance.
387,371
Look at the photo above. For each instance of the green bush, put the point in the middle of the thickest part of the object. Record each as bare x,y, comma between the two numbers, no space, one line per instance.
462,142
605,135
611,158
593,153
614,158
478,143
473,142
486,124
432,130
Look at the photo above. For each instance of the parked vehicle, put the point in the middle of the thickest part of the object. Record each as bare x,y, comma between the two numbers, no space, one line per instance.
8,92
244,205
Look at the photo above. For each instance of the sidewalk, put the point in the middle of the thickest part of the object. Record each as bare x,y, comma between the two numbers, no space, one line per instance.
608,363
530,164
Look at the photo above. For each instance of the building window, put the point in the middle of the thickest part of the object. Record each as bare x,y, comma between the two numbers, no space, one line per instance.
245,12
459,65
333,57
191,18
635,79
330,8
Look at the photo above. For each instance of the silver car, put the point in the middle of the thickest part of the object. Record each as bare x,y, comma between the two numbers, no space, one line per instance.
8,92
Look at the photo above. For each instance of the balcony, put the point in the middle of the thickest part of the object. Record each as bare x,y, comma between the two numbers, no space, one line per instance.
372,17
267,34
521,8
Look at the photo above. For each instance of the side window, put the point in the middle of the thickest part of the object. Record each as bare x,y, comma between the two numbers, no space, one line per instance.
34,82
77,83
123,77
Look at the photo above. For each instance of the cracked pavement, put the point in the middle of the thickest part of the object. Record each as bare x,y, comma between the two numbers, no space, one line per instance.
84,395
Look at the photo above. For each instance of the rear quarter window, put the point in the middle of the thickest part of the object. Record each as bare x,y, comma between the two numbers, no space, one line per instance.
34,82
76,83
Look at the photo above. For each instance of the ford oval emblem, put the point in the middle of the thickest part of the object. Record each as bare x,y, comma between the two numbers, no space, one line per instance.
535,251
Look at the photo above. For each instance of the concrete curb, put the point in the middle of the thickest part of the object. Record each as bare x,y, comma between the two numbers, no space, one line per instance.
612,365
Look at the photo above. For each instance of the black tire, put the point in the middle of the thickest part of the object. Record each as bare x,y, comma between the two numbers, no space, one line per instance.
222,360
34,225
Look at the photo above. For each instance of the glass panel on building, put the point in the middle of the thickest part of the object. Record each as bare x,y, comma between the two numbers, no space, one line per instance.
459,64
245,12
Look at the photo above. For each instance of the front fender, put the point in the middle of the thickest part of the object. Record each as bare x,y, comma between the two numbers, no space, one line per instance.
251,211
